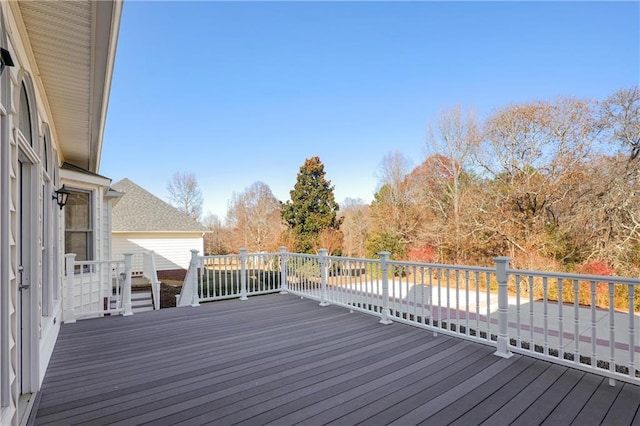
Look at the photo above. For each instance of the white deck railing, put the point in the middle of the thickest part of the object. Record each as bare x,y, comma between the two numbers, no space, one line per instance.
150,272
96,288
584,321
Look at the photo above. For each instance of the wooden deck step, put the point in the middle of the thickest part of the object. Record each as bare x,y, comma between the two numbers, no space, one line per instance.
141,301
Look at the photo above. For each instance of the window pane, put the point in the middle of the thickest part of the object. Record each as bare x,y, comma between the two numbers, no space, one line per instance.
78,243
78,226
24,119
77,213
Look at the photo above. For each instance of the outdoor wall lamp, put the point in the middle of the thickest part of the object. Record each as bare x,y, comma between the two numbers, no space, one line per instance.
5,59
61,197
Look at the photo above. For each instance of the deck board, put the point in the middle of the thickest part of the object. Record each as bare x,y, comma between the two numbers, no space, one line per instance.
280,360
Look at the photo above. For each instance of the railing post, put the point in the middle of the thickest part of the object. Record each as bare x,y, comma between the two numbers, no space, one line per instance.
323,277
155,284
502,264
69,312
384,268
193,267
243,274
126,294
283,270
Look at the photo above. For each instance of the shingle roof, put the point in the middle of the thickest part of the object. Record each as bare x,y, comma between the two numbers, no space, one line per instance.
140,211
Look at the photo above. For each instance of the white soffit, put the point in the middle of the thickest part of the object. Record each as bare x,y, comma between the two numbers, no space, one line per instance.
73,43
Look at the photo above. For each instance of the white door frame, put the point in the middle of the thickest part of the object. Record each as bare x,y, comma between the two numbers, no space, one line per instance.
28,206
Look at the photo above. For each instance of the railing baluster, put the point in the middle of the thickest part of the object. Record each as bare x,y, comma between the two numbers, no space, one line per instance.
467,303
457,275
477,304
632,333
439,279
576,320
560,322
545,314
488,303
532,346
594,361
612,334
518,335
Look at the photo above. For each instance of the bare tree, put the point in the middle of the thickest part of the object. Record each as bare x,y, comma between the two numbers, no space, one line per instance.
355,225
621,115
185,194
452,145
532,152
394,216
216,238
254,218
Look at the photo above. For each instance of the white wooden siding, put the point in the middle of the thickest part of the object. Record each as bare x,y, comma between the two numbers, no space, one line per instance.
172,250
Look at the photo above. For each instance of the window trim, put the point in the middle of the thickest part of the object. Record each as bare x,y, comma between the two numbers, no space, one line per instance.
89,232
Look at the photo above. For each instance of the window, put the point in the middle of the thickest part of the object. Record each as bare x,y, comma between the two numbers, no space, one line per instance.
25,115
79,226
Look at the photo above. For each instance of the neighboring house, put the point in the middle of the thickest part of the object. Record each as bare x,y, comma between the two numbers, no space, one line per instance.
54,90
142,221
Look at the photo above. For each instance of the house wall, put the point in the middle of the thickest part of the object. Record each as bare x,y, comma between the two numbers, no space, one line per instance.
172,250
24,355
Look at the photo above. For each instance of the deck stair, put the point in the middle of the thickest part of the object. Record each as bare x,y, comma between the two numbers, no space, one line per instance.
141,295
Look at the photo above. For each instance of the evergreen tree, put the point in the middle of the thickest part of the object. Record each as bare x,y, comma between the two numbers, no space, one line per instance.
312,208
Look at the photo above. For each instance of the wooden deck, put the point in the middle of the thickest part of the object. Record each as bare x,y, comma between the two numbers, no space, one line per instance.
281,360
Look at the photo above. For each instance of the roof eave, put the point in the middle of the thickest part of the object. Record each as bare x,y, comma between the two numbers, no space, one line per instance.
107,25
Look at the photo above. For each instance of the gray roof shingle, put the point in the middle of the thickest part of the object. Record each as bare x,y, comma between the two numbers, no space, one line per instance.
140,211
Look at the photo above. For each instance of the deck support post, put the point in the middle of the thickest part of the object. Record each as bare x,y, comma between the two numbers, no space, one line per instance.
502,350
283,270
323,277
384,270
193,278
69,312
243,274
126,291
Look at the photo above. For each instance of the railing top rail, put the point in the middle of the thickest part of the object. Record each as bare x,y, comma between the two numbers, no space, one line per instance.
354,259
312,256
98,262
220,256
580,277
442,266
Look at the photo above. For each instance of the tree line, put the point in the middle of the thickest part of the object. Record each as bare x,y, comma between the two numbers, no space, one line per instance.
552,184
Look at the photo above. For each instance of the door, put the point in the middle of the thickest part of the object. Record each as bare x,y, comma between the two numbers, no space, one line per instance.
25,270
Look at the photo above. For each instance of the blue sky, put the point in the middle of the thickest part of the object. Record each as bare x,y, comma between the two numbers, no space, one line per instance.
238,92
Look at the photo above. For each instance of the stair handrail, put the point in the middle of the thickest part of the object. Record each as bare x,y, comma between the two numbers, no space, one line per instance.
150,272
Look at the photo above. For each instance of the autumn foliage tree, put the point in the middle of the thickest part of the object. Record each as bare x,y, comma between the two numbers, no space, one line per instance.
312,210
253,219
536,181
355,226
395,216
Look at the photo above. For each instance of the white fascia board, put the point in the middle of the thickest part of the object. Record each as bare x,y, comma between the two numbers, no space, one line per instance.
106,26
83,178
